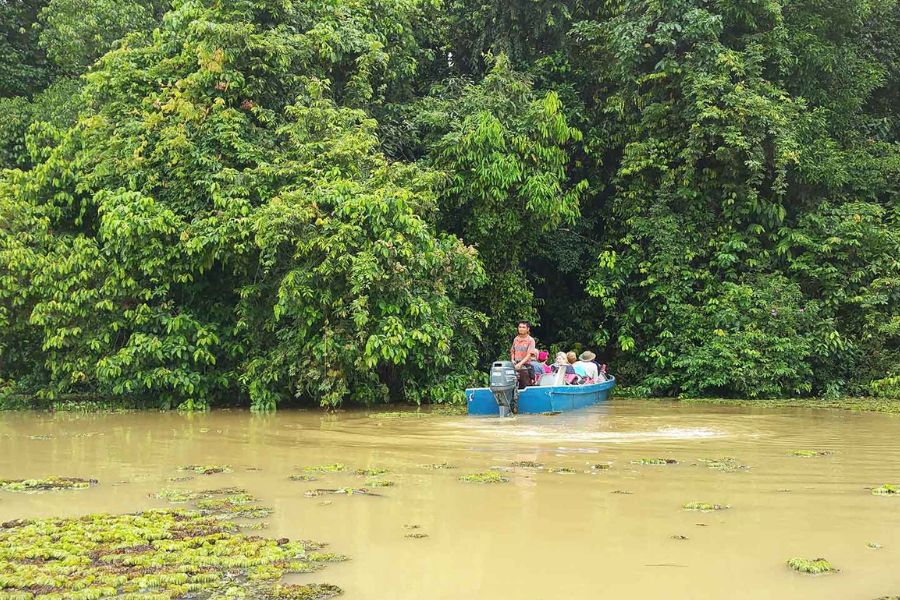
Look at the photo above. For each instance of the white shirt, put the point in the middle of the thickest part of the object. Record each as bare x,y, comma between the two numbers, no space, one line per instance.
589,367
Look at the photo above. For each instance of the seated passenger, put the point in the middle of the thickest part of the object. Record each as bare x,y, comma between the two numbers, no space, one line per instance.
586,363
572,359
565,372
604,374
536,366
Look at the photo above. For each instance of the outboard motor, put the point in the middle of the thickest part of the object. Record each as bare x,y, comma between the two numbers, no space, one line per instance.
505,386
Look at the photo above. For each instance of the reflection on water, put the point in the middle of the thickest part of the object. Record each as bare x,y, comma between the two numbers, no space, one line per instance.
543,534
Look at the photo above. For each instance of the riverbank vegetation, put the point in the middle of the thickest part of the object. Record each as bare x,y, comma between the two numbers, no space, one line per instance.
264,201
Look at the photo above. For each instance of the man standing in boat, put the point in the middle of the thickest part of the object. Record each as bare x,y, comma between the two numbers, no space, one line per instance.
520,353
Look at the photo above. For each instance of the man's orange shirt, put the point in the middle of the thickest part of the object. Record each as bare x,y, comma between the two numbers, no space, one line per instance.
522,347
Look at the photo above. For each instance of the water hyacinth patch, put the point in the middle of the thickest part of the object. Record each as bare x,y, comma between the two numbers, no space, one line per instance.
400,415
816,566
484,477
886,490
157,554
727,464
563,470
375,483
371,472
206,469
224,503
235,506
52,484
332,468
348,491
811,453
177,496
704,506
308,591
655,461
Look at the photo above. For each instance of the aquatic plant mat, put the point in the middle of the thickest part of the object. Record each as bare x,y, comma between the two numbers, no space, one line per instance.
157,554
863,404
815,566
45,485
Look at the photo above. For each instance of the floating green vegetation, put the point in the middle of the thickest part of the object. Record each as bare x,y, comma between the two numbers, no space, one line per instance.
416,535
206,469
332,468
303,477
371,472
886,405
873,546
161,554
176,496
811,453
438,466
886,490
376,483
233,506
563,470
655,461
484,477
704,506
527,464
449,410
50,484
307,591
348,491
727,464
816,566
224,503
401,415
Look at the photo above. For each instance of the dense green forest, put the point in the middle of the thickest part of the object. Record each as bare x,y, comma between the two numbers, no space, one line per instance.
254,201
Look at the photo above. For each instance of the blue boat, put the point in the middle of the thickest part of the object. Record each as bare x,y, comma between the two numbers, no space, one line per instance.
539,399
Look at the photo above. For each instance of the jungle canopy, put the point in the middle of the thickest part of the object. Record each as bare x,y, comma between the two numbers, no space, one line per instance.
260,200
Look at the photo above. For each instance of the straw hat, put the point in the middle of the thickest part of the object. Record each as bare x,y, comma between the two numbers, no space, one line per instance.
587,356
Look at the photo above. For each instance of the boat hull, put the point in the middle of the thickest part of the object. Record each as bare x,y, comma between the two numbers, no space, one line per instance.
539,399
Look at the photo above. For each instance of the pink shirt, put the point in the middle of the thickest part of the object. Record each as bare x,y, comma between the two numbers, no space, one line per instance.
522,347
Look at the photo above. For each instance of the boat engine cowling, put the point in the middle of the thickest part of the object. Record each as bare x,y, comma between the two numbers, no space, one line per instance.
504,385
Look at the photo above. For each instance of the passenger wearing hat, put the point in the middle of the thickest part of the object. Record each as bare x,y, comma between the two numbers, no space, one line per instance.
586,363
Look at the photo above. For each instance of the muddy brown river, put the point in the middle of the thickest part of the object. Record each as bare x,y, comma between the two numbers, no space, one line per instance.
592,533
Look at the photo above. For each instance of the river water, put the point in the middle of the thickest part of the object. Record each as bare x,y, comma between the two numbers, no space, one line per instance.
594,533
